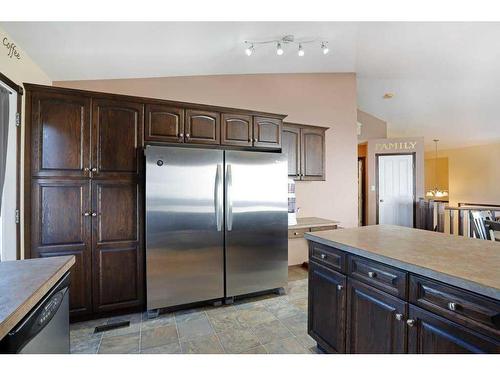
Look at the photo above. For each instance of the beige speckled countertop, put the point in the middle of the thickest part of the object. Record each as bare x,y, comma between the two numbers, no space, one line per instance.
23,283
312,222
467,263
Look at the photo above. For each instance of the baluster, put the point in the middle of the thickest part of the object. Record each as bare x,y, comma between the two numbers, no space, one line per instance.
460,222
452,221
440,217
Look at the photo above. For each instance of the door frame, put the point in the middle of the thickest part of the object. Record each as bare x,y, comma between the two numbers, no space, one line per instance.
364,189
20,92
414,157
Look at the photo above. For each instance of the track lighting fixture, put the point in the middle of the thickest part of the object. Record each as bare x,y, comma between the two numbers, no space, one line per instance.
287,39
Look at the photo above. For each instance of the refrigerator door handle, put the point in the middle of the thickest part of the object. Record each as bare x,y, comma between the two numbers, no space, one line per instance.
229,202
218,198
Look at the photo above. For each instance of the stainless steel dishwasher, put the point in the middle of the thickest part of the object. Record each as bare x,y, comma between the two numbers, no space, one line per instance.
45,330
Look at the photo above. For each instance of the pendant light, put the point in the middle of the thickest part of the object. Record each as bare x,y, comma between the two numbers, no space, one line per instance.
436,192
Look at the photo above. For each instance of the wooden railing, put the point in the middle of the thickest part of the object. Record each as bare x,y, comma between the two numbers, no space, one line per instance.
440,217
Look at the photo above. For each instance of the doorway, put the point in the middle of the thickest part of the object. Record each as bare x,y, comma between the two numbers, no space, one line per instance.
395,186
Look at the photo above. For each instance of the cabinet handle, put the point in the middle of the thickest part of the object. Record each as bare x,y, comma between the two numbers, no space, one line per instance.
411,322
255,140
399,316
94,214
452,306
295,233
323,256
86,213
372,274
187,135
181,135
340,287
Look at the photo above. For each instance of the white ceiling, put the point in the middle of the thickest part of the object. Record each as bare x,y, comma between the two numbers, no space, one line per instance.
445,76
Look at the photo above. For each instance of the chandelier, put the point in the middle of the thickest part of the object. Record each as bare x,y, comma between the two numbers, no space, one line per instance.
287,40
436,192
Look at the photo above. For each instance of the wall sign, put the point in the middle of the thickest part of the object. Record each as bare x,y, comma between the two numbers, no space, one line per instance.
12,52
395,146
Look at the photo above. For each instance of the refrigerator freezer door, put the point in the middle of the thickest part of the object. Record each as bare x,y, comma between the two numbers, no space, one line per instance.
256,222
184,226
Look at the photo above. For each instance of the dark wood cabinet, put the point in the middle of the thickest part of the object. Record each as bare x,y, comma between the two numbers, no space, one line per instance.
313,154
237,130
267,132
375,321
117,130
60,135
202,127
327,307
291,147
61,225
164,123
305,149
117,254
432,334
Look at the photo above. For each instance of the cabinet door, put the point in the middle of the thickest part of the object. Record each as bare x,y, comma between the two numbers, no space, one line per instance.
236,130
60,134
267,132
60,225
117,251
291,147
432,334
164,123
327,307
202,127
373,323
313,154
117,138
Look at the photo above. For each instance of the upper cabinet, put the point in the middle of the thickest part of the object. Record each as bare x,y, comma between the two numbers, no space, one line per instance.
305,149
237,130
60,126
117,137
267,132
164,123
202,127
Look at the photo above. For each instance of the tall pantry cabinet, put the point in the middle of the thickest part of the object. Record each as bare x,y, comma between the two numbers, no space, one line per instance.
83,188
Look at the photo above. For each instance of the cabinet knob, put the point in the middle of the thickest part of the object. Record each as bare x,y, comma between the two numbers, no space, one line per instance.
340,287
86,213
323,256
187,135
399,316
86,169
255,139
452,306
295,233
94,214
372,274
94,169
411,322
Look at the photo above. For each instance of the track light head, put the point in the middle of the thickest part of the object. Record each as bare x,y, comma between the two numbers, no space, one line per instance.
249,50
324,48
301,50
279,49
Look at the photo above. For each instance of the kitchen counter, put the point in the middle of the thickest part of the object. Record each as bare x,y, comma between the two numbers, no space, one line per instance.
467,263
23,283
312,222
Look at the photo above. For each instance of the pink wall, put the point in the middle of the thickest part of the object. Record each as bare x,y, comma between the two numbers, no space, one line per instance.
316,99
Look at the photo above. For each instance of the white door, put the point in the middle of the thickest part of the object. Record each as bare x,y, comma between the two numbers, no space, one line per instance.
395,190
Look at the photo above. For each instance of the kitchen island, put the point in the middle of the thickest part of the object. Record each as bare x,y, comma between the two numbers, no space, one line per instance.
389,289
24,283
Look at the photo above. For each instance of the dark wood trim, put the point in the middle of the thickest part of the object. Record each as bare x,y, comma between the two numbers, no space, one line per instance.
144,100
414,157
20,92
295,124
27,176
364,190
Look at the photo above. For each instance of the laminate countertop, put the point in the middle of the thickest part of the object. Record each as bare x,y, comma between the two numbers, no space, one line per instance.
23,283
467,263
312,222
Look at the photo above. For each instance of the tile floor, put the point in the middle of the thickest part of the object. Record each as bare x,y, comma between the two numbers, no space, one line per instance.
266,324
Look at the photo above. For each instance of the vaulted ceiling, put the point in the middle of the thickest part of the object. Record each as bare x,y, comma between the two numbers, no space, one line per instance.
445,76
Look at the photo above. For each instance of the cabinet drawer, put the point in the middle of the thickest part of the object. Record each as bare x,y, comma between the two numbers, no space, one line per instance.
327,255
318,229
456,304
386,278
297,233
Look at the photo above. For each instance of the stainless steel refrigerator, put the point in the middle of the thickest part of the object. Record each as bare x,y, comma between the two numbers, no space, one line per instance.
216,224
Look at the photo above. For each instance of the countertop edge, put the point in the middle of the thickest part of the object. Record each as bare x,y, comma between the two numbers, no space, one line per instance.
24,308
318,225
427,272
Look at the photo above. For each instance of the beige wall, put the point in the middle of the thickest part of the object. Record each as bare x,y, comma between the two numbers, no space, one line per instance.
393,146
436,172
20,70
318,99
473,174
371,127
